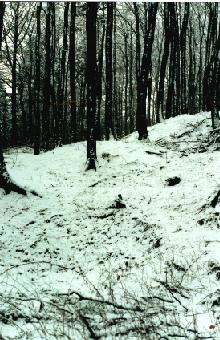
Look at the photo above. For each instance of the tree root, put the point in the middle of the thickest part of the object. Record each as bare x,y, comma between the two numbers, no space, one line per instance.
9,186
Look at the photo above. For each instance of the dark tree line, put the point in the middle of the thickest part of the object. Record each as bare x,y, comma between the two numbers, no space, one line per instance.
76,71
5,181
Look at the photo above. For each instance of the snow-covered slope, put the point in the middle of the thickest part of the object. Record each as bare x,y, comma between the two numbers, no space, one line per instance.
163,246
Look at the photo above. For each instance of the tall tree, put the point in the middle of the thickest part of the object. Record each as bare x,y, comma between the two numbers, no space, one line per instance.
91,14
30,94
209,52
14,136
72,66
215,84
173,92
108,57
62,76
142,86
166,50
54,113
99,80
47,78
183,32
138,44
115,87
131,113
37,83
126,85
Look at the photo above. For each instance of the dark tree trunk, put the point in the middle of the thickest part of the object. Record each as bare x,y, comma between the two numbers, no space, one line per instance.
200,70
215,85
37,84
167,39
54,114
81,110
210,43
72,66
99,84
61,85
138,44
91,15
149,86
30,96
115,91
46,88
65,107
131,113
142,87
14,136
22,106
138,47
183,58
173,93
108,51
126,86
191,83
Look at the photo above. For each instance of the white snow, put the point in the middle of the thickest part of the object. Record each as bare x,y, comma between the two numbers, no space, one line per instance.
73,237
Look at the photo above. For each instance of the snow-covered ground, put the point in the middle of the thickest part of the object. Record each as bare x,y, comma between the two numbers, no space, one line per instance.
148,270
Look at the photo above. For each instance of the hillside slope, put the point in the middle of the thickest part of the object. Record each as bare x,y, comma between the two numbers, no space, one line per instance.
116,253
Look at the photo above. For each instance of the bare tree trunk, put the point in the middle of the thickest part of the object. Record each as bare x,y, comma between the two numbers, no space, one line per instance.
215,85
115,90
183,58
91,15
47,88
166,50
131,113
30,96
54,114
99,84
37,84
210,43
138,48
82,106
61,85
108,103
173,93
14,137
191,83
126,86
143,81
72,67
22,106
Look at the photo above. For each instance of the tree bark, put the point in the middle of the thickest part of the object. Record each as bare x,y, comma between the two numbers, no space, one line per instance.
37,83
142,87
108,51
215,85
126,86
99,84
183,58
14,137
72,67
173,93
91,15
131,113
61,84
47,78
30,96
166,50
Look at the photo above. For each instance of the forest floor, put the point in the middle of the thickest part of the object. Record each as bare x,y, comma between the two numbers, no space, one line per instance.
131,250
